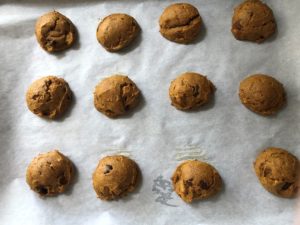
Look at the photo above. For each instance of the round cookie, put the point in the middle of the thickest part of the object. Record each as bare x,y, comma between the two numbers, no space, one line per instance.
190,91
55,32
194,180
114,177
262,94
278,172
117,31
48,97
253,21
180,22
116,95
49,173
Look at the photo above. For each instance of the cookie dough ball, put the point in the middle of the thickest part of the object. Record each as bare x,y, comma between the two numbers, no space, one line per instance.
48,97
278,172
190,91
180,22
117,31
253,21
49,173
262,94
116,95
55,32
194,180
114,177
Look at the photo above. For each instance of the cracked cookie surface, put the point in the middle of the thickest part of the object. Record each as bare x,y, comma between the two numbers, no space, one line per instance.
116,95
180,22
48,97
278,172
190,91
114,177
55,32
117,31
193,180
253,21
262,94
49,173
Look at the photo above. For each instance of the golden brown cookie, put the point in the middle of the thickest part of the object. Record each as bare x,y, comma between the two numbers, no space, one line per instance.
278,172
48,97
262,94
180,22
117,31
190,91
194,180
49,173
114,177
253,21
116,95
55,32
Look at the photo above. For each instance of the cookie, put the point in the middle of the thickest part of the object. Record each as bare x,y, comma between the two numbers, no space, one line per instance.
49,173
55,32
180,22
114,177
278,172
117,31
190,91
262,94
48,97
193,180
253,21
116,95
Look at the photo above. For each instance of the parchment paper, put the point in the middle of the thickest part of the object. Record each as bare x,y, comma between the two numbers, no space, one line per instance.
155,135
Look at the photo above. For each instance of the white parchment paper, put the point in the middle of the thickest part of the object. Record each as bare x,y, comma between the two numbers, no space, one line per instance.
156,135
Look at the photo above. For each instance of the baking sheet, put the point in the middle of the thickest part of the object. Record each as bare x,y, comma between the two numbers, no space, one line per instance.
156,135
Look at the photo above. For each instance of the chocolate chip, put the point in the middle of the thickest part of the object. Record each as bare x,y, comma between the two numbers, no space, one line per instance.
189,182
62,180
107,169
42,190
286,186
195,90
204,185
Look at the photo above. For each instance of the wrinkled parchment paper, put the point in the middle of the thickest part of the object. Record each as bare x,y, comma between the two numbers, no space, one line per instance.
155,135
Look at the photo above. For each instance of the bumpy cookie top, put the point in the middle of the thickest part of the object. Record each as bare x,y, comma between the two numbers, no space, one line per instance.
55,32
180,22
117,31
253,21
115,95
48,97
194,180
114,177
262,94
190,90
49,173
278,171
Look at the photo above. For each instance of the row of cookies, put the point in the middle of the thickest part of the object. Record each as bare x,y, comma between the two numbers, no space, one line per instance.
179,22
50,96
51,173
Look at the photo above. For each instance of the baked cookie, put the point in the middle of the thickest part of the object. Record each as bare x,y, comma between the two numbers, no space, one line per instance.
194,180
114,177
49,173
253,21
48,97
117,31
278,172
180,22
190,91
116,95
55,32
262,94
